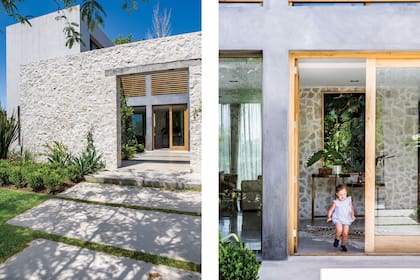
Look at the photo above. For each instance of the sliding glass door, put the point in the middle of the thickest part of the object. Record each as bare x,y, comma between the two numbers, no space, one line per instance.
397,226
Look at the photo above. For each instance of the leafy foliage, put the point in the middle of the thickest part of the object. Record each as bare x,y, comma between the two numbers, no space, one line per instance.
123,40
128,137
344,132
128,151
89,161
236,261
58,154
91,11
9,128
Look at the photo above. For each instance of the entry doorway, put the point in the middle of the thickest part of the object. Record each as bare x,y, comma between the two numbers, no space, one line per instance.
170,127
331,133
391,162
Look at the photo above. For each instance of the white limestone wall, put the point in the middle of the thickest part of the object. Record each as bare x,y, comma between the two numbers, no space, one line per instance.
62,98
195,118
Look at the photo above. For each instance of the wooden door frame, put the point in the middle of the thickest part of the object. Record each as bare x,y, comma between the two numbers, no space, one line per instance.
186,135
371,57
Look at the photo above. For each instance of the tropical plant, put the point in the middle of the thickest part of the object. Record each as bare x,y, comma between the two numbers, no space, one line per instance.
89,161
58,154
91,12
9,129
128,151
235,261
343,132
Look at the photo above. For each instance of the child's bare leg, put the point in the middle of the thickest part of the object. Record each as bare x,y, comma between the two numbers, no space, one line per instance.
346,229
338,230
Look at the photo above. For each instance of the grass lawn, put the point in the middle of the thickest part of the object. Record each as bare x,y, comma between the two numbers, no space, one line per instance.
14,239
12,203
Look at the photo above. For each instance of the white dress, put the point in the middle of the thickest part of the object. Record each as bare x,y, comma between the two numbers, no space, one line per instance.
342,212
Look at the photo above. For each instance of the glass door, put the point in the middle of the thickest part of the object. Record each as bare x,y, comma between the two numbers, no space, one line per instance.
396,181
179,127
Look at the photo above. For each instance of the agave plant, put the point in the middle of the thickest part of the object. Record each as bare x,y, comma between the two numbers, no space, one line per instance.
9,128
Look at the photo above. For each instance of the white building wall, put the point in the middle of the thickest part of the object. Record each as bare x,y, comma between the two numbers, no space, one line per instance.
45,39
63,97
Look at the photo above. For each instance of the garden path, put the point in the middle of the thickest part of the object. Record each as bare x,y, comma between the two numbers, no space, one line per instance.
45,259
168,235
179,200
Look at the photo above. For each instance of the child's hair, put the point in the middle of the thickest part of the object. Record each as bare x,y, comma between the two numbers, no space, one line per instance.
340,187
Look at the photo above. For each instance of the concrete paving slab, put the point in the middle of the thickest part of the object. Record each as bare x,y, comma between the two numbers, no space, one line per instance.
45,259
180,200
169,235
308,267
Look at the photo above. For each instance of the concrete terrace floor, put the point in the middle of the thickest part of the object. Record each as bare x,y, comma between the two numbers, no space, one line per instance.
309,267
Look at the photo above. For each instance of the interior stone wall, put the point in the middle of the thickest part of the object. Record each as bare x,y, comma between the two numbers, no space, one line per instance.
398,110
310,141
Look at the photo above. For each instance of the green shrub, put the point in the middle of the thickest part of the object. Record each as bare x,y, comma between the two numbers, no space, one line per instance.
237,262
16,176
35,179
4,172
58,154
8,132
52,178
74,173
128,152
139,148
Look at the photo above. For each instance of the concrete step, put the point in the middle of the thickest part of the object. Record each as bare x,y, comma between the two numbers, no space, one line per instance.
143,180
168,235
178,200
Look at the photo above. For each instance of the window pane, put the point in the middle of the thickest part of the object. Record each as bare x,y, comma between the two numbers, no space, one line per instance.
397,155
240,148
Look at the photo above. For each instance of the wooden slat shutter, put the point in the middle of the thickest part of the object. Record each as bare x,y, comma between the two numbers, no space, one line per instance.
134,85
170,82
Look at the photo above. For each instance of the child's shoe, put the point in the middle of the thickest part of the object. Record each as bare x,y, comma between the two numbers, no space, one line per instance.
336,241
343,248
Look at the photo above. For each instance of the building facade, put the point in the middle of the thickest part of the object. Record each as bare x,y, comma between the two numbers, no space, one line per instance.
61,95
46,40
285,57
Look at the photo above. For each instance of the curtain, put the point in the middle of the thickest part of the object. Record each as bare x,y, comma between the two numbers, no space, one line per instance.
250,152
224,138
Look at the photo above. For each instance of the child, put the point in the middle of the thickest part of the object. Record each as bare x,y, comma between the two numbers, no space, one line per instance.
341,213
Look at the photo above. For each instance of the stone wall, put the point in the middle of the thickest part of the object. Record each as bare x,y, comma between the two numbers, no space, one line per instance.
195,118
62,98
398,112
397,108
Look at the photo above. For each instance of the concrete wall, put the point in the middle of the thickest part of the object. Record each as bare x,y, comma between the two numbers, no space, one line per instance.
63,97
276,28
44,40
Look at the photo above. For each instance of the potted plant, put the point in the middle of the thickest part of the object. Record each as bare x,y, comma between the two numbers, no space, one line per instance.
331,159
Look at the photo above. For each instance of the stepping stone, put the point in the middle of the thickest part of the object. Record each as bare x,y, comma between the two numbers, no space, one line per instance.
164,234
186,201
45,259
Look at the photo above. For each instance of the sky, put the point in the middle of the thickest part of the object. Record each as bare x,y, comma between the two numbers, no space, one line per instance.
186,17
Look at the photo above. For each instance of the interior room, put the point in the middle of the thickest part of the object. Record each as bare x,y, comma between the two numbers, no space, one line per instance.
331,133
240,148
